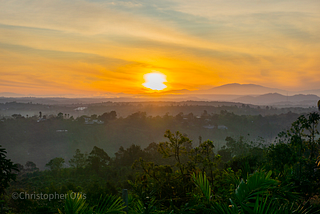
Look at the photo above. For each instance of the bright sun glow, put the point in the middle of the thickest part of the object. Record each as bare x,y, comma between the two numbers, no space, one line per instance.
155,81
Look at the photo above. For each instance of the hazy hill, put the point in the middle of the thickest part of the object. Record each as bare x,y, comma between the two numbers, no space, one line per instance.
244,89
228,92
315,91
278,99
10,94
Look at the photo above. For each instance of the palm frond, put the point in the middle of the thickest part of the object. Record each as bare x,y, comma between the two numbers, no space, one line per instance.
290,208
203,184
223,208
75,204
110,205
139,207
258,183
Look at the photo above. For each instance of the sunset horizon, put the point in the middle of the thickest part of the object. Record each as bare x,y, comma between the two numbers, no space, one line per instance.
160,106
90,48
226,89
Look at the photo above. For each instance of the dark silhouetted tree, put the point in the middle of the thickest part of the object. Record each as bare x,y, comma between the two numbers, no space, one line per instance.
7,169
78,160
98,159
55,164
31,166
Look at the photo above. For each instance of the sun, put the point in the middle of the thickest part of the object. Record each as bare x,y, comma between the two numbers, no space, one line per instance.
155,81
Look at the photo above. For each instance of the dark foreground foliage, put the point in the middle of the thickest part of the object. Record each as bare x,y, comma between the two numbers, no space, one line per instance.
176,176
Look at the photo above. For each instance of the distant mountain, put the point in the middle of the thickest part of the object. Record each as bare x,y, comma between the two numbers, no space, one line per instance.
314,91
9,94
242,89
278,99
247,93
303,97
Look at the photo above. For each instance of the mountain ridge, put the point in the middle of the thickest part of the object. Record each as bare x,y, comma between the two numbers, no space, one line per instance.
275,98
236,89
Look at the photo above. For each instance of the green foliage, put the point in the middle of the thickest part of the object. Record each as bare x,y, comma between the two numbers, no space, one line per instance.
258,184
98,159
55,164
202,183
7,169
75,203
147,206
30,166
256,195
237,147
205,159
79,160
177,146
177,177
298,151
109,205
105,117
280,155
125,157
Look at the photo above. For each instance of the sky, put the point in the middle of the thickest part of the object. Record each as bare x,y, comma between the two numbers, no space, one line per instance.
102,47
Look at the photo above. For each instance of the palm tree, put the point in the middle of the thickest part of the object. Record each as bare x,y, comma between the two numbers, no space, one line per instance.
75,203
259,194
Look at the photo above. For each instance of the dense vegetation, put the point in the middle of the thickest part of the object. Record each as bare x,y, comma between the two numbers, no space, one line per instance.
178,175
43,137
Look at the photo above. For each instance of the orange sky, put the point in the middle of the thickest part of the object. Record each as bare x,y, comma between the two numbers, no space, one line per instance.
53,47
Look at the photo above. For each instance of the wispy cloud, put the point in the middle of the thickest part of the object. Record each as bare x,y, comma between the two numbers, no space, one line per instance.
100,46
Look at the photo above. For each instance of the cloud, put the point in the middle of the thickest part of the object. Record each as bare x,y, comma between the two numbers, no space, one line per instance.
87,18
224,8
109,45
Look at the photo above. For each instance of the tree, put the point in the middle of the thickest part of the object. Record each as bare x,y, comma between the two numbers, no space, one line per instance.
98,158
60,115
108,116
204,157
259,193
237,147
94,117
179,117
20,167
296,154
125,157
169,183
177,146
30,166
138,117
7,169
55,164
17,116
79,160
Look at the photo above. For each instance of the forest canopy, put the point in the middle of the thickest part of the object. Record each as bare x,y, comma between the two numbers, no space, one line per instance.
177,175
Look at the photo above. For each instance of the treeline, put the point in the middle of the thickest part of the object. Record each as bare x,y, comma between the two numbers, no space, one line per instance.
125,109
41,138
178,176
